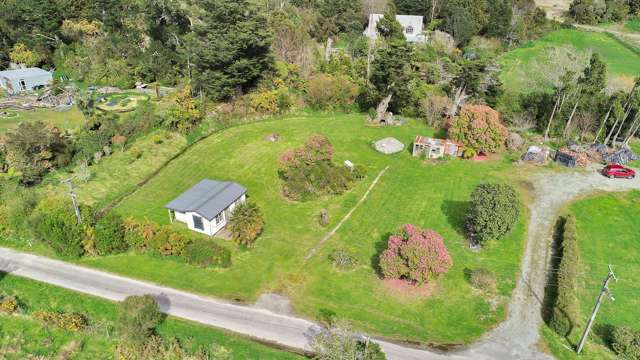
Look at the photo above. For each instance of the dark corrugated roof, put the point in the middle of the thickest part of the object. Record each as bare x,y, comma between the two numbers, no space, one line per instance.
208,198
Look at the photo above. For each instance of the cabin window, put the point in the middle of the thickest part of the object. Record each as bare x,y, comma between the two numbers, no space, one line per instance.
23,85
219,218
197,223
409,29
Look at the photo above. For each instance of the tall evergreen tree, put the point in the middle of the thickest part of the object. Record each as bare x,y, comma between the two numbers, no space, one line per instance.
500,16
389,27
391,72
229,47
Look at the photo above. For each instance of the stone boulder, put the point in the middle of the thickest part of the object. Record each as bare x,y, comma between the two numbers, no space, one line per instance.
389,146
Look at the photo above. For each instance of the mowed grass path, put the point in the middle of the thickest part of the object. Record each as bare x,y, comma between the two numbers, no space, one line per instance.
622,63
611,237
36,339
433,196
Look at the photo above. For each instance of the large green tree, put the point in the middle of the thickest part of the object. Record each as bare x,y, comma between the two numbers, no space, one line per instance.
500,16
391,72
229,48
465,18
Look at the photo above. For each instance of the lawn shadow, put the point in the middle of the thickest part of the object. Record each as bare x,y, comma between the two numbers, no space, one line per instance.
456,212
605,333
381,245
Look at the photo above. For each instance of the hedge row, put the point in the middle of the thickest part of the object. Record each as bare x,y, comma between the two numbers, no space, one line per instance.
565,312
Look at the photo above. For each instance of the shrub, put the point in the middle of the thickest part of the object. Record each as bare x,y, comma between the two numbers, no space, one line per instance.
138,318
206,254
469,153
109,235
415,255
308,171
323,218
625,341
9,305
73,322
483,279
246,223
16,205
566,308
495,209
328,92
166,242
479,128
54,222
343,259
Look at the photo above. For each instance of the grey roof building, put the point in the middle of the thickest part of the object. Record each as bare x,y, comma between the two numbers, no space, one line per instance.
208,198
16,81
207,206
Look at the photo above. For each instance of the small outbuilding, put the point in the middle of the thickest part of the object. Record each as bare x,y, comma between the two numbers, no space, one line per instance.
436,148
207,206
412,25
20,80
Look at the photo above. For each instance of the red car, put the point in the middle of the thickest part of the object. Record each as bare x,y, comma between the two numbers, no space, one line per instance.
618,171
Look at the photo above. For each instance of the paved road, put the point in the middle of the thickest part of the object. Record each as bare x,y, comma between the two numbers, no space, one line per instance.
516,338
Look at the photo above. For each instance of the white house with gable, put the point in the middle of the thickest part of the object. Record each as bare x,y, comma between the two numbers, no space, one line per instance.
207,206
412,25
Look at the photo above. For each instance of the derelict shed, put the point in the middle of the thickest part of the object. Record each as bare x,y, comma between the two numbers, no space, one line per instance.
20,80
207,206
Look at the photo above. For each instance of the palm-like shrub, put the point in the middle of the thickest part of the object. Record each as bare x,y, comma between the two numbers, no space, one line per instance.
246,223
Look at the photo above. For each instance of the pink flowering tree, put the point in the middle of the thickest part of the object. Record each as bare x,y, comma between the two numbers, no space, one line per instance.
478,127
415,255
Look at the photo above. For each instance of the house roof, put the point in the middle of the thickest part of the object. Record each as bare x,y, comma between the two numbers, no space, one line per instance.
23,73
423,140
414,21
208,198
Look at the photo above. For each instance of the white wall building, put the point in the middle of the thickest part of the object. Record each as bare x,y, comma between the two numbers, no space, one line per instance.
20,80
207,206
413,27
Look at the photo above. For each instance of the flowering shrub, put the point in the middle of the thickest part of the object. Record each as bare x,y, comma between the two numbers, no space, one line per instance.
479,128
416,255
73,322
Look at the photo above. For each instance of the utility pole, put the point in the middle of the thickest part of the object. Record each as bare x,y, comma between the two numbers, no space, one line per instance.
74,198
603,291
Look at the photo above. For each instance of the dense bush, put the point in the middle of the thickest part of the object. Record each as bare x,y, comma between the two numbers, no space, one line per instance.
16,205
206,254
54,222
8,305
138,318
73,322
246,223
494,211
34,149
415,255
566,308
328,92
625,341
308,171
167,242
339,342
479,128
109,235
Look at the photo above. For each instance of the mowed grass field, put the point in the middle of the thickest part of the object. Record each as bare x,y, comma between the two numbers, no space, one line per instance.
411,191
23,337
623,64
611,237
62,119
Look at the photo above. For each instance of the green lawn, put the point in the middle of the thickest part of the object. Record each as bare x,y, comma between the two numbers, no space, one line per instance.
22,336
410,192
118,173
623,64
609,238
63,119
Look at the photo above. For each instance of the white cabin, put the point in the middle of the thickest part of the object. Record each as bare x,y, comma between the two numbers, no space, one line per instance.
207,206
21,80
